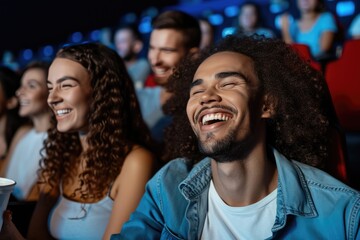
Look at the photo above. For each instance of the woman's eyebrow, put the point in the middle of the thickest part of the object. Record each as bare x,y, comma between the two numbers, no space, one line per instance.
60,80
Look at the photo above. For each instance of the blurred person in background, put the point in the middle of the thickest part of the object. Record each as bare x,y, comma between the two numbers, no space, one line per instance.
354,28
175,35
10,119
316,28
128,44
250,21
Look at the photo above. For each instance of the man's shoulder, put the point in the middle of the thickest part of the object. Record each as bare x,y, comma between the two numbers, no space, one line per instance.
319,180
304,178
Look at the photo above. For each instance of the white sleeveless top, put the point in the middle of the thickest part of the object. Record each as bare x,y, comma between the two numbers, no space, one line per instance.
73,220
254,221
24,163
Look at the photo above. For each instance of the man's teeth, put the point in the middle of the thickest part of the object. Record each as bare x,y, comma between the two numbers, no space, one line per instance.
159,71
62,112
214,117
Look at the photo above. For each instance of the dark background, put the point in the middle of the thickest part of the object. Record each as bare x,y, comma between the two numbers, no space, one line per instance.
32,23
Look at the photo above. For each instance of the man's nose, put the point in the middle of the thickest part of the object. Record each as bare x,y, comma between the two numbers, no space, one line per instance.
154,57
210,95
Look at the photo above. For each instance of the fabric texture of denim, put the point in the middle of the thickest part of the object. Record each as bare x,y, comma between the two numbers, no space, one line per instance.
310,204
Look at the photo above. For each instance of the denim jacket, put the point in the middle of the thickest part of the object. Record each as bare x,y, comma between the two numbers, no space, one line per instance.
310,204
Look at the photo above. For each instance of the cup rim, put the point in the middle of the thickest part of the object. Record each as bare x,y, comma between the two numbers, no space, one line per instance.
7,182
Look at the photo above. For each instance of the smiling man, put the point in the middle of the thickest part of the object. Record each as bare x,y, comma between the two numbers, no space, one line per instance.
262,122
175,35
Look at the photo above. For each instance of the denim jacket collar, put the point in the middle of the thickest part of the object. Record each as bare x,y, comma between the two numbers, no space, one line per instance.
198,180
289,174
293,196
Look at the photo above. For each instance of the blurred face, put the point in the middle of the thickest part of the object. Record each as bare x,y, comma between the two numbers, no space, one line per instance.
166,50
223,108
307,5
69,95
33,93
124,43
248,17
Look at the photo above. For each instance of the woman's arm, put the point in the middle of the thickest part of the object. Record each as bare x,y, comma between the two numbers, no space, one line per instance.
129,187
285,28
38,228
327,41
9,230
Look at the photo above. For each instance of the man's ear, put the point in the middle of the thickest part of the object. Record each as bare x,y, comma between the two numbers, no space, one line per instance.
269,106
138,45
12,103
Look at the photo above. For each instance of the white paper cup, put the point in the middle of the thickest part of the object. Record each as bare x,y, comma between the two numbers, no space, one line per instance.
6,188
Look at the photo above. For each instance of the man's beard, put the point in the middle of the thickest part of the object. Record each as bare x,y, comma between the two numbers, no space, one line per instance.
226,149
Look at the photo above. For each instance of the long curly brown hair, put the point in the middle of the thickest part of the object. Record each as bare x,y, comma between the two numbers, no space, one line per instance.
303,111
115,124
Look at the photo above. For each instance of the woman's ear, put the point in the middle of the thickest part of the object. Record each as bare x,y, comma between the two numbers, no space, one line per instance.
12,103
269,106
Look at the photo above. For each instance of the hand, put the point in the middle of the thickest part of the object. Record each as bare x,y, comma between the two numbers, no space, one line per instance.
9,230
285,21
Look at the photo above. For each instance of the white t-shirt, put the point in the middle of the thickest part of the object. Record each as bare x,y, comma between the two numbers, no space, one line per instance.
250,222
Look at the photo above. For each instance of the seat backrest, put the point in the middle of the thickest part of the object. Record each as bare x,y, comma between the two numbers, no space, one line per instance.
338,156
343,79
304,51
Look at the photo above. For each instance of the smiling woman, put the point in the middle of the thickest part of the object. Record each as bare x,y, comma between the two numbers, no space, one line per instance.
69,95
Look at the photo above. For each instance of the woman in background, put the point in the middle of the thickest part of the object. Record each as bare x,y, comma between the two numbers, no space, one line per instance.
10,120
315,28
249,21
22,161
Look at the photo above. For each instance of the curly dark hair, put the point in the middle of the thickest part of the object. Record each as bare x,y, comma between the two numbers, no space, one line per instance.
300,128
115,125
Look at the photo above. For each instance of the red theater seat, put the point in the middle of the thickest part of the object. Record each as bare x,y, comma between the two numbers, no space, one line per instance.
343,79
304,51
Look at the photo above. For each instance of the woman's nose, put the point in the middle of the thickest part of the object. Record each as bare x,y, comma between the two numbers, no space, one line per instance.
19,91
53,97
